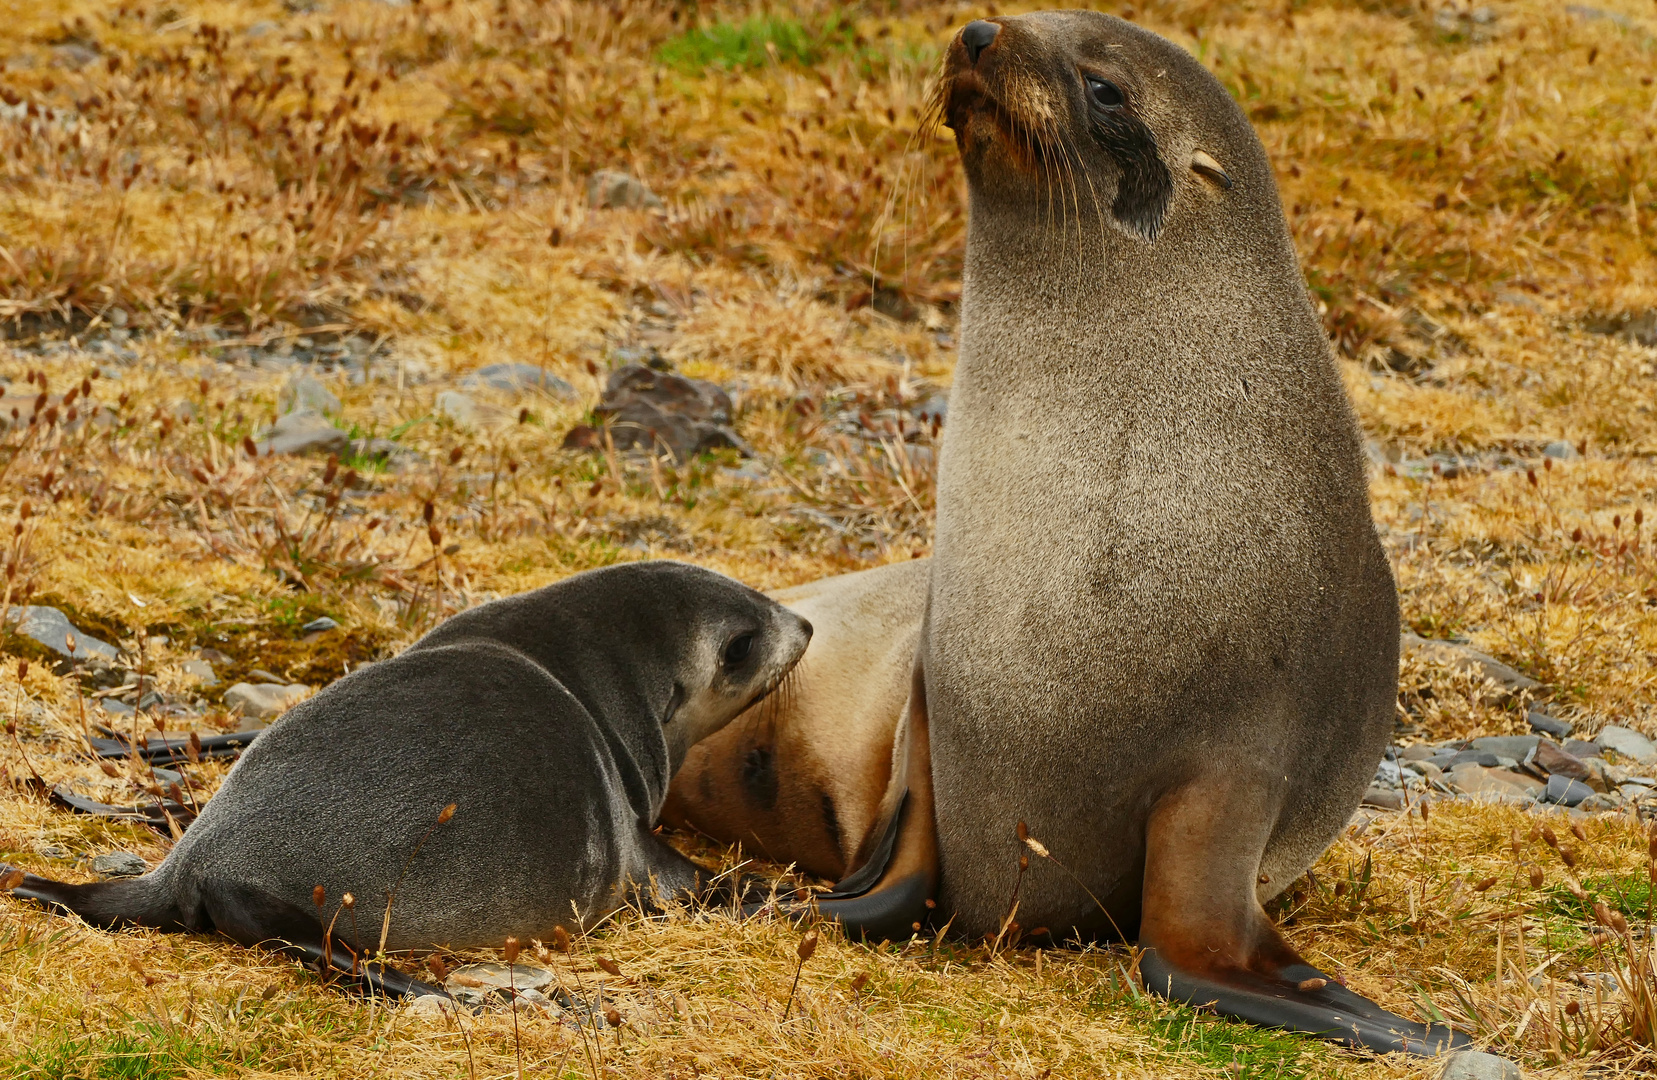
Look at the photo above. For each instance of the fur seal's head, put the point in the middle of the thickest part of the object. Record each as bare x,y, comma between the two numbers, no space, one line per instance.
738,645
1084,114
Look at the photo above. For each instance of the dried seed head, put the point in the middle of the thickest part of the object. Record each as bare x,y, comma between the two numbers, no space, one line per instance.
11,880
454,455
523,415
1579,832
510,952
1572,1008
445,814
612,1017
561,939
108,769
438,967
348,901
1536,877
1308,985
193,751
610,967
330,470
249,447
1602,913
861,981
319,896
1549,838
427,512
1036,846
1567,856
1424,804
1023,832
1484,885
1575,888
1023,863
807,946
22,670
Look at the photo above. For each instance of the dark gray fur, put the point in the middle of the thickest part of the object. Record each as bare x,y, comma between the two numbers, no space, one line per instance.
553,721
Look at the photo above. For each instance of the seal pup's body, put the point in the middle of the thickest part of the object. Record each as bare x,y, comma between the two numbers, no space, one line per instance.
801,777
1160,628
553,721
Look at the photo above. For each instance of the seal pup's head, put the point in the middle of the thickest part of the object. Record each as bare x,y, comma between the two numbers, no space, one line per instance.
1085,115
739,646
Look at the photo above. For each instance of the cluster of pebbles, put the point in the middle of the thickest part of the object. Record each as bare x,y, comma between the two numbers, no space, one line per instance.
536,990
1616,771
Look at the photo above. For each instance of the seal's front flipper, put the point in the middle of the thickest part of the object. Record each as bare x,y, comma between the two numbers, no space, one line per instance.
1207,941
256,919
888,895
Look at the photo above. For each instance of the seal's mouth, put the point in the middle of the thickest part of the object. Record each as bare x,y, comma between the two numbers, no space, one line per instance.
983,110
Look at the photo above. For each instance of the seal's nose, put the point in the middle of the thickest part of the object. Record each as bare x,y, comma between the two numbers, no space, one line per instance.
976,36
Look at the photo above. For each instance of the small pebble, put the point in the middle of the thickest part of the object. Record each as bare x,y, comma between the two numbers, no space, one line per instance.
120,864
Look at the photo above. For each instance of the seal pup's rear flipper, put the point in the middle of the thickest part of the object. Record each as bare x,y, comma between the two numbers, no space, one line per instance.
1208,942
888,895
245,915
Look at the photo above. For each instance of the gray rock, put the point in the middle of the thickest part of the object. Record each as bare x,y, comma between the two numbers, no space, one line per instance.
519,377
1474,780
934,408
1517,747
303,432
611,190
1384,798
1466,658
316,626
116,707
52,628
119,864
499,976
1560,450
1629,743
306,392
1582,748
264,701
465,411
1601,800
1476,1065
1415,753
649,410
1484,758
201,671
1548,725
167,776
1565,791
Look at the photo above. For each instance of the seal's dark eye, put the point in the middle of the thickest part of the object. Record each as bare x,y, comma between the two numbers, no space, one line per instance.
739,648
1106,95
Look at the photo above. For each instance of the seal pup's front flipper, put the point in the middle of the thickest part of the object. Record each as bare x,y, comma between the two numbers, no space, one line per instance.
888,896
1207,941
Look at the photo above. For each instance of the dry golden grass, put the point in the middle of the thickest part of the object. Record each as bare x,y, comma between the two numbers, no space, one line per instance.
1471,190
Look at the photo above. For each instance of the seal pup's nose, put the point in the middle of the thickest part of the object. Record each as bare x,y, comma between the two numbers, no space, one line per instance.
977,35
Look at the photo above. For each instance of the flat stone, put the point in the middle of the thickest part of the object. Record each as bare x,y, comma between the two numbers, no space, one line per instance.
1477,1065
1565,791
501,976
1415,753
466,411
119,864
1470,779
1466,658
317,626
1427,769
1558,762
201,671
519,377
264,701
1582,748
1560,450
116,707
611,190
307,392
428,1008
1385,798
303,432
1517,747
1486,758
1601,801
52,628
1629,743
1528,784
1548,725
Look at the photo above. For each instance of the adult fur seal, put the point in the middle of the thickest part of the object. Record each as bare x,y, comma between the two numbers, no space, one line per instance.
1160,627
802,777
553,721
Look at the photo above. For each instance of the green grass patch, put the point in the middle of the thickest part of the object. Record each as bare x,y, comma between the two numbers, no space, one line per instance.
1627,893
148,1052
1245,1051
754,43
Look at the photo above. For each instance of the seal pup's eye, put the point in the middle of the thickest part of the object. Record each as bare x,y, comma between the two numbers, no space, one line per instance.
739,648
1105,94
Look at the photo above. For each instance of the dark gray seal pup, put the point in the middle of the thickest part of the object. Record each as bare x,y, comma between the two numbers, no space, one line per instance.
553,721
1160,627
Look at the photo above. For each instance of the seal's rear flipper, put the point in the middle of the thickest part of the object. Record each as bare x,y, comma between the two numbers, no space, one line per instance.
1208,942
245,915
888,895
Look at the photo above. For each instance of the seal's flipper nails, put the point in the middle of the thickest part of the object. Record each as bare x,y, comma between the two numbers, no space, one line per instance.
888,895
1224,952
